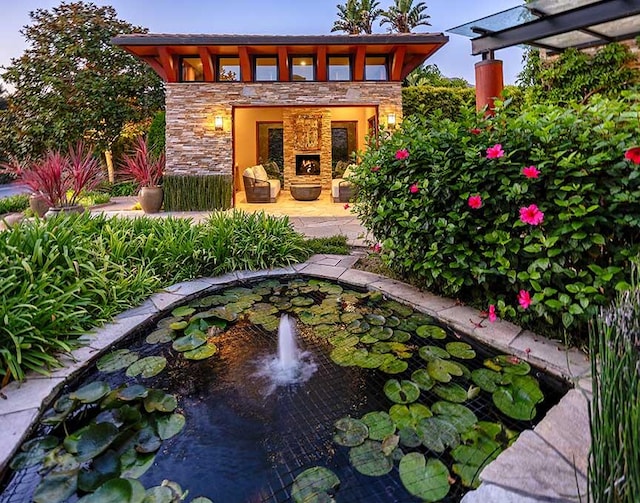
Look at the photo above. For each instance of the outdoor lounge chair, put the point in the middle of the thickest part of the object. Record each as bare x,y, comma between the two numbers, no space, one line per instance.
257,188
342,190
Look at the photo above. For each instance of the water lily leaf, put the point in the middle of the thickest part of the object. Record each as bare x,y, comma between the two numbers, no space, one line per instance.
179,325
117,491
95,440
327,330
33,452
159,494
56,487
443,370
202,352
344,339
202,499
427,480
487,380
409,437
392,321
461,350
401,392
146,441
160,401
350,317
429,353
375,319
91,392
400,336
422,378
409,416
70,442
147,367
458,415
135,464
165,322
159,336
437,434
369,459
518,399
103,468
344,355
350,432
116,360
394,366
314,485
358,327
508,364
180,312
389,444
368,360
479,448
331,289
199,325
368,339
189,342
302,301
401,310
224,313
60,460
169,426
381,333
432,331
130,393
380,425
452,392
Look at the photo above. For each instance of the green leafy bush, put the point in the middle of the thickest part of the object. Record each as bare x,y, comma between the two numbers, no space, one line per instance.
156,136
429,100
589,194
62,276
120,189
14,204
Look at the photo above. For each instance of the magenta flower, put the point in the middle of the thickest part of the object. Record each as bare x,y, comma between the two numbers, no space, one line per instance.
524,299
475,202
531,172
414,189
377,248
531,215
402,154
495,152
492,314
375,169
633,155
475,130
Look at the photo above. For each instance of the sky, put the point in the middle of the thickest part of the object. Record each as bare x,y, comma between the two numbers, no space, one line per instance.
273,17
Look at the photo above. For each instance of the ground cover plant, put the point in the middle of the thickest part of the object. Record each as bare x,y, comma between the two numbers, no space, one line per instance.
14,204
62,276
533,216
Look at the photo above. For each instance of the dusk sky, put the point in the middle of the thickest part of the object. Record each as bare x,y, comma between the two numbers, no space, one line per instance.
279,17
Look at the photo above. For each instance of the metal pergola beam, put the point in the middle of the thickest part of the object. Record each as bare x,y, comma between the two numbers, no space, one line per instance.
556,24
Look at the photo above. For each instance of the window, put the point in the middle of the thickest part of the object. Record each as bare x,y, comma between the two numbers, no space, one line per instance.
303,68
191,69
375,68
228,69
266,68
339,68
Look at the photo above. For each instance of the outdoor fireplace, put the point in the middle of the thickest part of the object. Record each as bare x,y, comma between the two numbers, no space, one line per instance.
308,164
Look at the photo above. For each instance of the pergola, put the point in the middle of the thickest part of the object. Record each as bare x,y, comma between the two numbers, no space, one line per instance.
553,25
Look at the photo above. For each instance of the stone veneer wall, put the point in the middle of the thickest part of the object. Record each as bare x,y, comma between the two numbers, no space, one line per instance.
194,146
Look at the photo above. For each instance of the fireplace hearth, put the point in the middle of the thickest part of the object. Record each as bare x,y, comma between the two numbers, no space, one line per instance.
307,164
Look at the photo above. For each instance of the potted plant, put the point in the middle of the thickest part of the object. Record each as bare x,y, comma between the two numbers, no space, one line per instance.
57,179
146,169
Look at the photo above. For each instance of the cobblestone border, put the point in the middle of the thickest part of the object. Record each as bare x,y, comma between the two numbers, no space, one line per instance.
544,464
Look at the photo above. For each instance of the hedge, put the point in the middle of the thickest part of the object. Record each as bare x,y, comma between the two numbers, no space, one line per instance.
427,100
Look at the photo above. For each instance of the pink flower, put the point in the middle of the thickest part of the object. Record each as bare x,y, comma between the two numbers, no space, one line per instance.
492,314
531,172
475,130
531,215
375,168
414,189
377,248
402,154
495,152
475,202
346,206
524,299
633,155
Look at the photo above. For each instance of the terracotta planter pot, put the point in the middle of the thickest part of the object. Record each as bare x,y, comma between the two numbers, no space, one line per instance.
38,204
151,199
52,212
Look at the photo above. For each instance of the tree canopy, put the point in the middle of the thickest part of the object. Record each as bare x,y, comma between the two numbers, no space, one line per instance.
403,16
358,16
72,84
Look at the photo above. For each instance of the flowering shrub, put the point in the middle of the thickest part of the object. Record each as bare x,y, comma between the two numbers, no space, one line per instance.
538,214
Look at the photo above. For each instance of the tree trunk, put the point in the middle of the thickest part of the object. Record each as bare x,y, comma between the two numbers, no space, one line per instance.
110,172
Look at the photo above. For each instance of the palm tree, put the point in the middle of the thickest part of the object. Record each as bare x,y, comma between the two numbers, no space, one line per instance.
349,18
369,12
403,16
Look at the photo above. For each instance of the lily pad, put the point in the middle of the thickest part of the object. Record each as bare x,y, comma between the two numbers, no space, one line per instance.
394,366
409,438
169,426
117,491
344,339
224,313
344,355
381,333
91,392
358,327
429,353
199,325
461,350
350,432
314,485
179,325
375,319
147,367
302,301
422,378
401,310
392,321
389,444
159,494
380,425
180,312
452,392
400,336
479,448
189,342
103,468
135,464
134,392
95,440
369,459
409,416
508,364
368,360
458,415
146,441
432,331
518,399
201,353
443,370
427,480
350,317
116,360
33,452
401,392
56,487
331,289
488,380
437,434
159,336
158,400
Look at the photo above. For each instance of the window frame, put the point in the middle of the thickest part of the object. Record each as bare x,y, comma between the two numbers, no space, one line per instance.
181,67
349,57
314,66
386,66
219,68
254,62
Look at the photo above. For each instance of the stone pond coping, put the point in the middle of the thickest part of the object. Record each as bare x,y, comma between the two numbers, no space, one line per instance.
548,463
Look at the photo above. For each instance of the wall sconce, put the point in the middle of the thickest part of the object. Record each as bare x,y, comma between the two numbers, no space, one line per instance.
391,120
218,123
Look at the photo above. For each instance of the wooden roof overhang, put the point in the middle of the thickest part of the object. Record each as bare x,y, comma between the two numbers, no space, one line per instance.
405,51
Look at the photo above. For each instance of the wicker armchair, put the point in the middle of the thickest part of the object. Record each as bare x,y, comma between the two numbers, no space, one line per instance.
256,191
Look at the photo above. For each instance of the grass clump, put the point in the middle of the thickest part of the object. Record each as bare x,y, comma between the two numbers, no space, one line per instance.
333,245
14,204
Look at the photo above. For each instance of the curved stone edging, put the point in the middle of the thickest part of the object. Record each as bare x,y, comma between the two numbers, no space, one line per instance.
538,467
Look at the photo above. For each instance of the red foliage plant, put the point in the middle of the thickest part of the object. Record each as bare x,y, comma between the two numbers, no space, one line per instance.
143,166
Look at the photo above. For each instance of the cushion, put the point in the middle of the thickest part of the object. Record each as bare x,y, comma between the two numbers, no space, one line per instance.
347,172
335,187
274,188
249,173
260,173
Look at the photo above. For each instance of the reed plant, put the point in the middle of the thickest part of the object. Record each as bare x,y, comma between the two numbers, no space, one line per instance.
197,193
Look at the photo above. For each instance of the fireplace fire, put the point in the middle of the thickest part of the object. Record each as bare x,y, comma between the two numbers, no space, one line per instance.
308,164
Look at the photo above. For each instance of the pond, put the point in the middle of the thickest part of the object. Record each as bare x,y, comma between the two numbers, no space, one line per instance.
370,401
